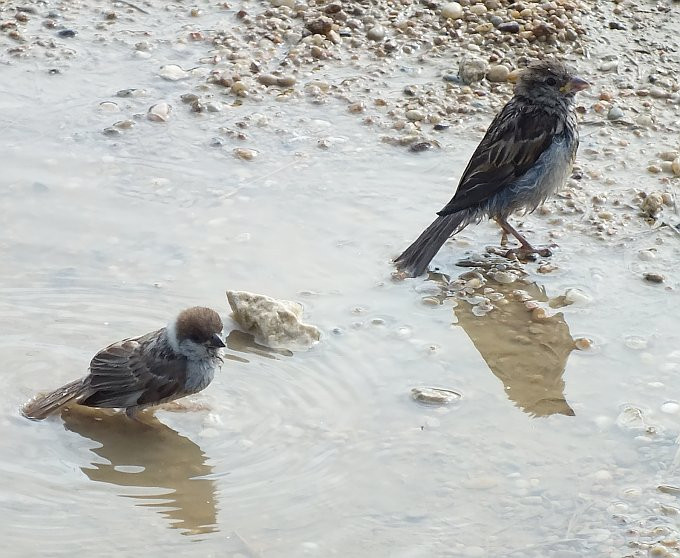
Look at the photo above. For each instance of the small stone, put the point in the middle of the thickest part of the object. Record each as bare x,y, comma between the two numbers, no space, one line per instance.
245,154
268,79
472,69
652,204
658,93
125,124
286,81
320,26
434,396
108,106
414,115
654,277
318,52
670,407
159,112
189,98
277,322
508,27
582,343
239,88
576,296
644,120
376,33
359,106
131,93
421,146
646,255
173,72
452,10
504,277
669,155
615,113
67,33
660,551
675,167
498,73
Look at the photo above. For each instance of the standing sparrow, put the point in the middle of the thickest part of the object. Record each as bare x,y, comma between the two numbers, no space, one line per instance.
525,156
136,373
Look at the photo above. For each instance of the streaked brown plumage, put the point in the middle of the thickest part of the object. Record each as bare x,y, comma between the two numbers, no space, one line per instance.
525,156
140,372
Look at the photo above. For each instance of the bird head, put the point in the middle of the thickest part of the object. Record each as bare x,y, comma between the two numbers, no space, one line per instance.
549,79
196,333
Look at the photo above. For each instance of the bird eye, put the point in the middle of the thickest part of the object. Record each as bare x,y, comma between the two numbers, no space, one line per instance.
551,81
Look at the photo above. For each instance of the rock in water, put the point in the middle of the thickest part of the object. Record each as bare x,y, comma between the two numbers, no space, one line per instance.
276,322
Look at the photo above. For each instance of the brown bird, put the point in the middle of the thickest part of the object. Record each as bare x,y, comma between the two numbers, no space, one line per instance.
140,372
526,155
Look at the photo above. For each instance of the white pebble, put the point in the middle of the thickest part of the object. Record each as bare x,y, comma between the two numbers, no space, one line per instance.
452,10
159,112
173,72
108,106
498,73
414,115
577,297
602,475
376,33
675,166
670,407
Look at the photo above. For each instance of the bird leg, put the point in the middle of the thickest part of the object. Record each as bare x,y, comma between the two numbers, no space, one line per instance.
144,420
526,249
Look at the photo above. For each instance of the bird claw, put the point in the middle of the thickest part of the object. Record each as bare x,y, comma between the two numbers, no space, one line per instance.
523,253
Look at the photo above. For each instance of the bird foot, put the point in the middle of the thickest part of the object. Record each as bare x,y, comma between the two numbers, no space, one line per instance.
526,253
523,253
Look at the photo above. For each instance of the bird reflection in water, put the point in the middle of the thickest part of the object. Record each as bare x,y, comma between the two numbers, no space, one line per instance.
157,466
528,353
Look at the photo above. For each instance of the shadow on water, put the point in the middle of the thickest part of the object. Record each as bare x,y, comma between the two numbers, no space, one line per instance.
153,457
527,353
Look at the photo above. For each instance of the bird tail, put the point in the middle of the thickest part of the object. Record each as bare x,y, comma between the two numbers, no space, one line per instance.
415,259
41,406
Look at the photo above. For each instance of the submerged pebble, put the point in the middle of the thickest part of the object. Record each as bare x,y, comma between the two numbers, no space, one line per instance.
159,112
245,153
654,277
435,396
173,72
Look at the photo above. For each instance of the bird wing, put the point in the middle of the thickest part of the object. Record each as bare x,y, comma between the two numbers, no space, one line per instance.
133,372
514,141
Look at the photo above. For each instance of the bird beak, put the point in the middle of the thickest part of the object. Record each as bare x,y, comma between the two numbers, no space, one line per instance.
574,85
216,341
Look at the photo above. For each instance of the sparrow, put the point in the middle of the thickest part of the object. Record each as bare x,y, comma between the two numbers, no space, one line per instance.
526,154
140,372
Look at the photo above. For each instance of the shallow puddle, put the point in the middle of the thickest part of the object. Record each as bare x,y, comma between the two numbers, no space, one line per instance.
554,449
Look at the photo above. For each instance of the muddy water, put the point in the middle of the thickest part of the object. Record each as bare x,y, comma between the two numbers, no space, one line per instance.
324,452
